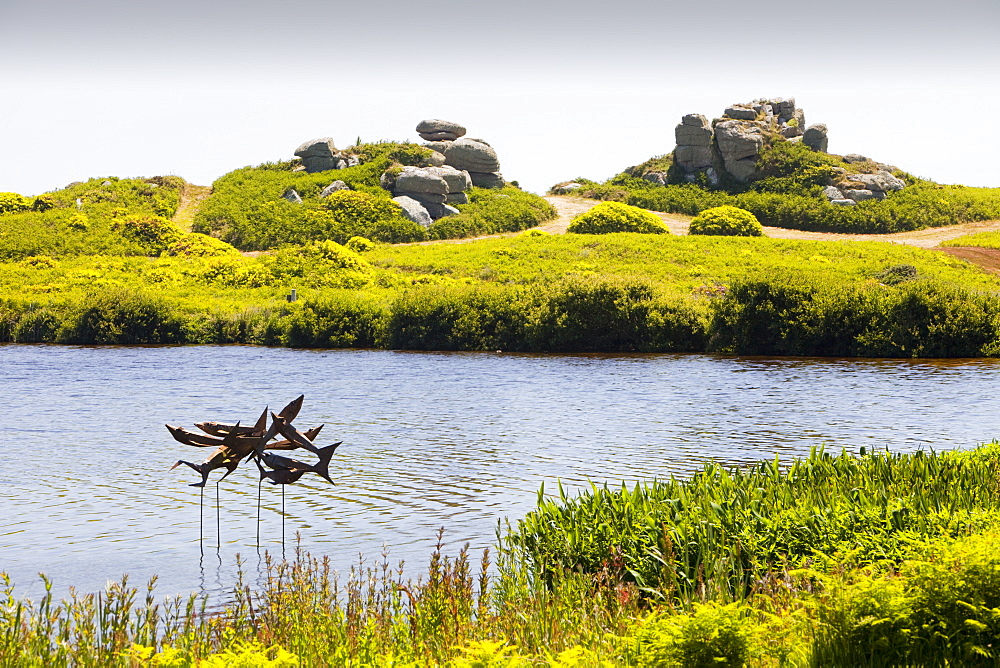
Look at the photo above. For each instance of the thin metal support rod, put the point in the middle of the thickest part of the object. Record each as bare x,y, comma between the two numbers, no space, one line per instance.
218,519
259,483
282,520
201,522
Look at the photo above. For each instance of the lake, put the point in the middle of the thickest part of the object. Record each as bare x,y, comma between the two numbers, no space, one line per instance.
454,440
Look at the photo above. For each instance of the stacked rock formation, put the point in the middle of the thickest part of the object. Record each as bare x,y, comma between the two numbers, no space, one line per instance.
424,192
474,156
735,141
319,155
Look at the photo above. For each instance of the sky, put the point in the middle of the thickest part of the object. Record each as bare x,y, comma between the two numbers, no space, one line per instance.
560,89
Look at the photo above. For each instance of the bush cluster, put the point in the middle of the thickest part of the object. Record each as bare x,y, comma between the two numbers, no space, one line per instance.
609,217
727,221
13,203
194,244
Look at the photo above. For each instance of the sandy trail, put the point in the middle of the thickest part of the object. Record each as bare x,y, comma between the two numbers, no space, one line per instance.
191,198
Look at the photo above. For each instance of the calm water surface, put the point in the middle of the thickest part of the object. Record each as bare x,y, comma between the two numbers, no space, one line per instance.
458,440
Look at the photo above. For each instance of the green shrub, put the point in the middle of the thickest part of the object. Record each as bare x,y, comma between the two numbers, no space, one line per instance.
153,233
348,213
711,635
38,262
609,217
726,221
13,203
360,244
120,316
194,244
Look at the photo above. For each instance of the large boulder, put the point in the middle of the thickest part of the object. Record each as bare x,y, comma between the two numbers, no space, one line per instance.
458,180
420,180
317,148
815,137
693,158
439,146
472,156
740,144
688,133
435,129
493,180
832,193
740,112
425,199
413,210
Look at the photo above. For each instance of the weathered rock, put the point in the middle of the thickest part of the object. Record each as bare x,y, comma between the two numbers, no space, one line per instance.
438,136
334,187
786,109
435,159
832,193
440,210
843,202
815,137
738,140
686,134
567,188
413,210
317,148
420,180
472,156
853,158
695,120
318,163
439,146
433,125
859,195
741,113
292,196
493,180
424,198
458,180
693,158
353,161
883,181
658,178
790,131
800,119
739,144
458,198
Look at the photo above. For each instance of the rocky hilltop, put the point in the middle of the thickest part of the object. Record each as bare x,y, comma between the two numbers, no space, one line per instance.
425,193
731,146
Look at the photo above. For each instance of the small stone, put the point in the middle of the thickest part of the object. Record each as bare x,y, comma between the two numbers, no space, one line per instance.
458,198
567,188
292,196
334,187
413,210
843,202
437,211
832,193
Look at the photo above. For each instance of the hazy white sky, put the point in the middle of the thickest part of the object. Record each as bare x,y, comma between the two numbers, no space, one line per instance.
560,89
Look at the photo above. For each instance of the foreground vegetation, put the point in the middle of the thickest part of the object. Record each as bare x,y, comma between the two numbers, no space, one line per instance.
789,193
877,560
568,293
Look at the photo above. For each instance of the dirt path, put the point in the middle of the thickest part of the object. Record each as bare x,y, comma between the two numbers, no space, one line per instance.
191,198
568,206
987,258
928,238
